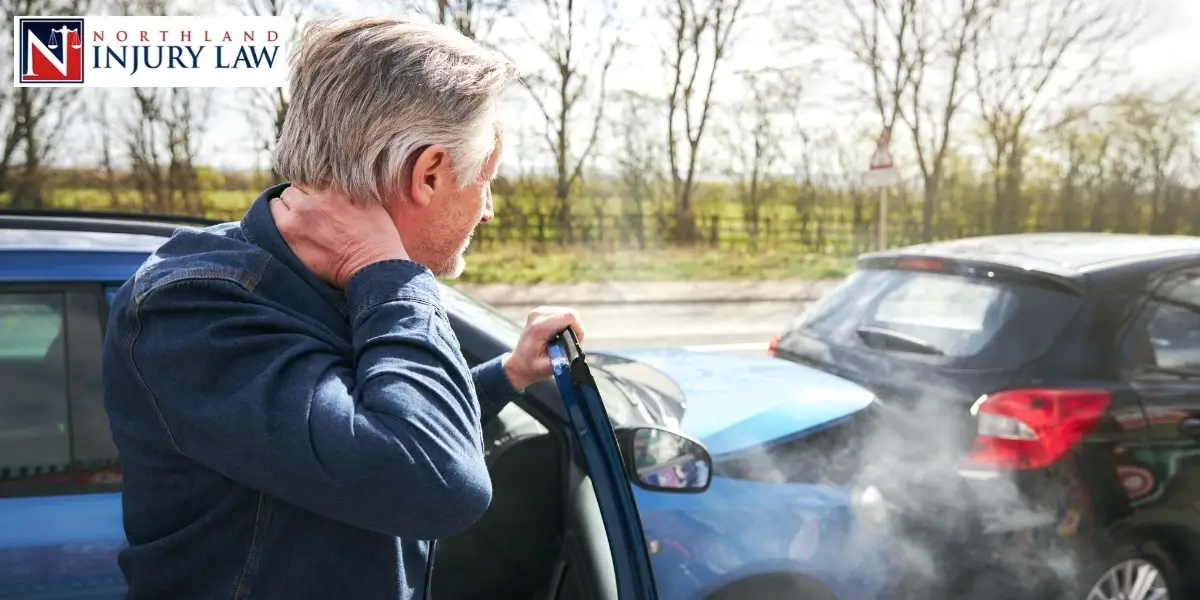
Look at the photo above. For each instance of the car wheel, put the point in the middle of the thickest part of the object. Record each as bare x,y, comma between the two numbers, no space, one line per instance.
776,586
1135,571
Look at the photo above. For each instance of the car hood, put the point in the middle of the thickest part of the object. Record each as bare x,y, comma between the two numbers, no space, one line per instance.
736,402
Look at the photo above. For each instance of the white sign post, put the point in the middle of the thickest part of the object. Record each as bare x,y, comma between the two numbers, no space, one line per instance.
882,174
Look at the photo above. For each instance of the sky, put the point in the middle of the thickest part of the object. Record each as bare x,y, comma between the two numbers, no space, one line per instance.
1171,51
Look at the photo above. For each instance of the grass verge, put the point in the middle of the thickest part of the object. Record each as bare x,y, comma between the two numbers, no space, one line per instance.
514,265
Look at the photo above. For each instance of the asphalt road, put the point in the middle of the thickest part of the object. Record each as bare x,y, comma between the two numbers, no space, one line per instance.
741,328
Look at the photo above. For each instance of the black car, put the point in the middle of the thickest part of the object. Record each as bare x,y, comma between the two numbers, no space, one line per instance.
1039,431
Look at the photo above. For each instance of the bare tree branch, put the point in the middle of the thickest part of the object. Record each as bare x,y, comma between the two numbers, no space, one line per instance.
1030,55
701,36
558,89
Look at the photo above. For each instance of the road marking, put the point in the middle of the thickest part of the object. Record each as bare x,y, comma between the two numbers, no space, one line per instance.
744,347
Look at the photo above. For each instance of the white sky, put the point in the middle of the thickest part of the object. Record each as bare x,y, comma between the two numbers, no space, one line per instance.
1171,52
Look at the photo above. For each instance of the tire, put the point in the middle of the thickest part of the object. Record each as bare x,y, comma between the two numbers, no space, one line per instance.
778,586
1139,558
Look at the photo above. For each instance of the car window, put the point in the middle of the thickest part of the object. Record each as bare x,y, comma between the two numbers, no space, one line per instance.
617,402
951,313
481,315
34,435
965,321
1167,333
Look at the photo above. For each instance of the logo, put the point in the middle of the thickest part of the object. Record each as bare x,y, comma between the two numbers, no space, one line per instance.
49,50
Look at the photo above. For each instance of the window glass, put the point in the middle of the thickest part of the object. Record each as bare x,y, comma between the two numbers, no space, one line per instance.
949,312
481,315
34,438
1167,334
966,321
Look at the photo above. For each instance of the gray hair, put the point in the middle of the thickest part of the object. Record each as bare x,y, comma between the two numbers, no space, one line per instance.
368,94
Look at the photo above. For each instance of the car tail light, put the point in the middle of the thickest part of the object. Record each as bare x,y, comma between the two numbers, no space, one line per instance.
774,345
1033,428
921,264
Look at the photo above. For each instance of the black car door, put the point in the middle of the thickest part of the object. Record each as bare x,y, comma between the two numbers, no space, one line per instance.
1160,356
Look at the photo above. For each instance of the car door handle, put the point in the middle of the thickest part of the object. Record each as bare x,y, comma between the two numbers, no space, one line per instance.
1190,427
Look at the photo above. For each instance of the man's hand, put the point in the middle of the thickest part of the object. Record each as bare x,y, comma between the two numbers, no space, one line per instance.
529,361
332,236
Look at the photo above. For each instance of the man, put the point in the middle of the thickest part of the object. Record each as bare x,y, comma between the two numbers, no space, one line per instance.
293,412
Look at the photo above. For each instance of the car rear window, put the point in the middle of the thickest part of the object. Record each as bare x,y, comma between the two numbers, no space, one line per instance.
977,321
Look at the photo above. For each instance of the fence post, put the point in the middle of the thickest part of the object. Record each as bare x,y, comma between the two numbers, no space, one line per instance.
714,231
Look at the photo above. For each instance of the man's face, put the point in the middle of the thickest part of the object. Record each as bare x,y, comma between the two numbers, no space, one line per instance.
437,233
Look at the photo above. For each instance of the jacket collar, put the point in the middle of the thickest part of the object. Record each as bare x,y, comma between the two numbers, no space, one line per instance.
259,228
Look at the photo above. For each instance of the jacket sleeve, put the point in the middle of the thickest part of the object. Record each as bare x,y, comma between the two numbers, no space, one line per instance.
390,442
494,389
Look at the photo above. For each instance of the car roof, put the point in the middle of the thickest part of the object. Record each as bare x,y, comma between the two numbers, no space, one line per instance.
96,232
1066,254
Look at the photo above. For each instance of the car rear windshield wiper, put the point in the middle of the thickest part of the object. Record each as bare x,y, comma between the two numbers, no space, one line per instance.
907,342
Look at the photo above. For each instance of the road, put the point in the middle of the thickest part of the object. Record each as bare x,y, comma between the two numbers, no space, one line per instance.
741,328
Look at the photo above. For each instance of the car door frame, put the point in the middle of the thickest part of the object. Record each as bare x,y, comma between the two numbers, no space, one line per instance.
598,445
581,408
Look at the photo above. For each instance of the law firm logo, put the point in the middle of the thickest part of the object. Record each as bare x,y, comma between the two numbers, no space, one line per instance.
49,50
152,52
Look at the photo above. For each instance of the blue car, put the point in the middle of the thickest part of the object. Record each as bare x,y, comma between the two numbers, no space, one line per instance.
636,474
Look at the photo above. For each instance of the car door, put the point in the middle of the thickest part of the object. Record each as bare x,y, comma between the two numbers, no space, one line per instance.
1161,361
598,445
60,505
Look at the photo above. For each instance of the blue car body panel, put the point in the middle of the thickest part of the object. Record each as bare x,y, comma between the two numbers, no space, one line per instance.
739,528
66,546
740,402
52,266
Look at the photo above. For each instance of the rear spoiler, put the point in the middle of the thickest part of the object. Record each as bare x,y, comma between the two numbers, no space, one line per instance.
984,269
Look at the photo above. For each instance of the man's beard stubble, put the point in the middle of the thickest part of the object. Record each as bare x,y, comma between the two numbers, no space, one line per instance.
459,261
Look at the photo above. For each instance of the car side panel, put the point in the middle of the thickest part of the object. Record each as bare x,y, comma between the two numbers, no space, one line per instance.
1162,477
61,546
61,530
737,529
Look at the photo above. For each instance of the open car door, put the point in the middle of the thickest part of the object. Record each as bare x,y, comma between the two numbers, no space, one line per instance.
598,445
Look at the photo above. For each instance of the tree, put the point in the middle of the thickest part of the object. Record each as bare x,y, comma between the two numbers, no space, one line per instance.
881,37
917,53
161,136
266,108
1160,128
937,87
1032,54
574,81
700,38
754,130
31,117
473,18
638,158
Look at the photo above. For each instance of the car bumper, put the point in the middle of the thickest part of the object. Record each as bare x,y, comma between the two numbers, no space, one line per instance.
981,538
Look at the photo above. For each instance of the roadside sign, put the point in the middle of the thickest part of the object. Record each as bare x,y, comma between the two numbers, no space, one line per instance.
882,170
882,174
882,158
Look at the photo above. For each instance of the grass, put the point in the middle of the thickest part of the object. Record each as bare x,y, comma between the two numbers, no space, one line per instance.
514,265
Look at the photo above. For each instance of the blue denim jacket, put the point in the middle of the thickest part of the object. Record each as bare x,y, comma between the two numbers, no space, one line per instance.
281,439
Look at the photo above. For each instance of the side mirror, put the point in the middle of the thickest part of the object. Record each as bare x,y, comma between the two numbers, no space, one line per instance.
662,460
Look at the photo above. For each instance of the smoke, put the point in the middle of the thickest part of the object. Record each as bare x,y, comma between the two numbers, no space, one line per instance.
954,533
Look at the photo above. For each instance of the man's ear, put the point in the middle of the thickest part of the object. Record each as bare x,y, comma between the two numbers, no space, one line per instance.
430,174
